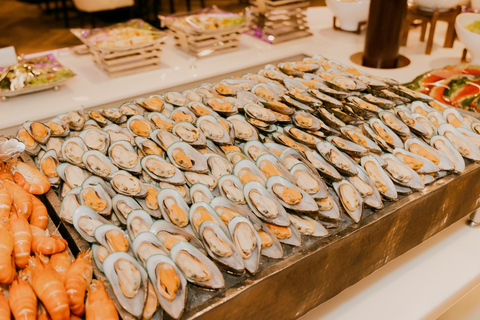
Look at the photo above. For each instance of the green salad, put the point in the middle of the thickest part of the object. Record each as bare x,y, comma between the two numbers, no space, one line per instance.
474,27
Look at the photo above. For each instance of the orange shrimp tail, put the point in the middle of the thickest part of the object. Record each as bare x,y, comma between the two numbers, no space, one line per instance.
5,173
39,216
99,306
5,203
22,200
23,301
48,245
77,279
7,266
4,308
30,178
22,239
49,289
61,262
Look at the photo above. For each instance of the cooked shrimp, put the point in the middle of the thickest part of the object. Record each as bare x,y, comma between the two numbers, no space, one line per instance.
22,200
77,279
48,244
49,289
22,239
39,216
23,301
30,178
4,308
5,173
99,306
7,266
74,317
5,202
42,312
61,262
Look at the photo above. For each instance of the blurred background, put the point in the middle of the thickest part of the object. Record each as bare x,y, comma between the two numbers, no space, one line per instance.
38,25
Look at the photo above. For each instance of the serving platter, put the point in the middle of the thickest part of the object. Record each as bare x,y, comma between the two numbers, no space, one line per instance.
321,268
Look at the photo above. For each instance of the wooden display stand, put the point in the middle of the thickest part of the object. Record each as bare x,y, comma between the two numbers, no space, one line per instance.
430,17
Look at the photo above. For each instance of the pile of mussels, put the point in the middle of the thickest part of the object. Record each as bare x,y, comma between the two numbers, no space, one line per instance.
170,188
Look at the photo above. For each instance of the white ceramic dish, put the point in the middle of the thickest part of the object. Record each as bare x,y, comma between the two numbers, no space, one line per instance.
471,40
441,5
349,13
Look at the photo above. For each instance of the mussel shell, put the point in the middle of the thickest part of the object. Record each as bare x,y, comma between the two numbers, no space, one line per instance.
402,128
180,201
307,203
69,200
328,101
162,225
281,219
427,165
145,130
72,175
380,102
444,162
102,194
238,121
216,280
436,118
79,142
53,178
199,162
468,150
175,98
443,145
117,133
199,141
232,263
318,231
135,168
95,180
347,146
113,114
375,199
177,178
396,142
415,182
139,214
102,158
356,213
326,149
237,183
390,193
322,192
128,201
86,136
330,119
242,164
140,193
253,262
293,240
147,204
132,305
272,160
349,130
92,214
420,108
160,121
32,147
173,308
199,188
427,124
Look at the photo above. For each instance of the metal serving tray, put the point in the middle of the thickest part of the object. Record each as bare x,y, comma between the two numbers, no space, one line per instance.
321,268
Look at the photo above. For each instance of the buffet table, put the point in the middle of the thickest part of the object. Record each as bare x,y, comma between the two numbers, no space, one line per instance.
427,279
92,87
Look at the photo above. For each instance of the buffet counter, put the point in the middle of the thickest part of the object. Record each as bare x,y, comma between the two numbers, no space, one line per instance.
92,87
420,284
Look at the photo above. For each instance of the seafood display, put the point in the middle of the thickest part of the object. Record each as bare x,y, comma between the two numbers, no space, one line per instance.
38,277
33,74
458,86
178,189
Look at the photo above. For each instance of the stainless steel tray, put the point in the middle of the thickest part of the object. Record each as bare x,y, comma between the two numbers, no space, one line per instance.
321,268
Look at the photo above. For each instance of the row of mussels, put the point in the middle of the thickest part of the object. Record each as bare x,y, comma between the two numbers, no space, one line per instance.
171,187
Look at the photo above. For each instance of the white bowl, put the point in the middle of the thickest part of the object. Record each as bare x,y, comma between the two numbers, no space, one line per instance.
349,13
441,5
470,40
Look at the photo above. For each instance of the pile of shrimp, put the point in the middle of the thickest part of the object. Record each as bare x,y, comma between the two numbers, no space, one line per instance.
38,279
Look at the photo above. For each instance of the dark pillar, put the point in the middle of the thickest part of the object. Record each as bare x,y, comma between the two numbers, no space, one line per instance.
383,33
